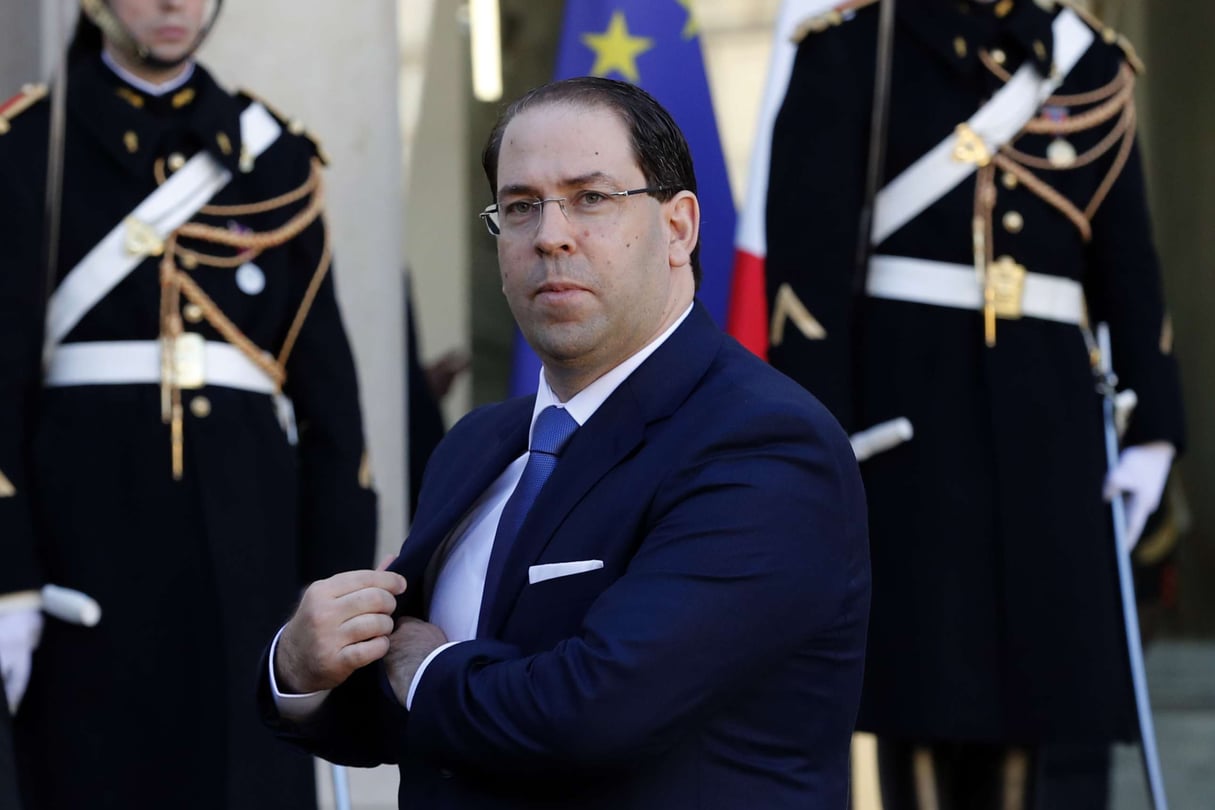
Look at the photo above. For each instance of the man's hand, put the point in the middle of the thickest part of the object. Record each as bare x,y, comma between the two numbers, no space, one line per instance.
408,647
20,631
342,623
1140,475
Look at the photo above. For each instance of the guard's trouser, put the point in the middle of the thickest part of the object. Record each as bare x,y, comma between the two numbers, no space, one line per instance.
972,776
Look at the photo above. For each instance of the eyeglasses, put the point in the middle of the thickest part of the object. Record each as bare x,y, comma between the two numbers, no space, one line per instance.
515,217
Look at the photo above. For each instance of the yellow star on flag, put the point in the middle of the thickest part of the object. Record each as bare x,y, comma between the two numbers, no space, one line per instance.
692,26
616,50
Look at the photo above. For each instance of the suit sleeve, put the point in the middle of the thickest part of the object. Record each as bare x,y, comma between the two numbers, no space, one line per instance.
1125,273
338,506
815,195
727,582
358,725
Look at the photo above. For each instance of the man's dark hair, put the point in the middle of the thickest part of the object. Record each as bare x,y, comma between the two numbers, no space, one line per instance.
658,144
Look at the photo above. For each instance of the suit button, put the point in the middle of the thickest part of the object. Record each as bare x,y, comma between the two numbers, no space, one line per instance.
1010,180
1013,222
192,313
200,406
998,56
176,161
446,773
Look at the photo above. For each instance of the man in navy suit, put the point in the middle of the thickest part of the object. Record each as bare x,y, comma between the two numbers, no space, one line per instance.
679,619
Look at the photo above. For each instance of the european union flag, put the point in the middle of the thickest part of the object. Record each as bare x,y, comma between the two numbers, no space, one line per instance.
655,45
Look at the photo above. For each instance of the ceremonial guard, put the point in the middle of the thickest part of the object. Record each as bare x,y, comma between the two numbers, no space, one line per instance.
1010,218
149,457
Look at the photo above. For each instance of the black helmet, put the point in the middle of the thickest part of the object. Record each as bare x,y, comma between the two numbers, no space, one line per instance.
98,21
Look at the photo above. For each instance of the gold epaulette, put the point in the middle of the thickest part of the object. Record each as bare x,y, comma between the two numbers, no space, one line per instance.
818,23
30,95
1109,35
294,125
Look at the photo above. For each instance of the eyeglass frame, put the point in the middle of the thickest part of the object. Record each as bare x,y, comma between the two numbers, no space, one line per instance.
490,213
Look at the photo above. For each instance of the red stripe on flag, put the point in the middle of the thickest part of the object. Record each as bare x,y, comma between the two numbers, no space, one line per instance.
747,319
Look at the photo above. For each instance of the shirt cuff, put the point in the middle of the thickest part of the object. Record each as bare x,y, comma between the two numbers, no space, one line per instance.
296,708
417,676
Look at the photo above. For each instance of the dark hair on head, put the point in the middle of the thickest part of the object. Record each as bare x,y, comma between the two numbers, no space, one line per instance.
658,144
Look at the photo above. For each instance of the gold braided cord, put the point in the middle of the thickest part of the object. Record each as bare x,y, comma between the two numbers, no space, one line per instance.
307,187
1115,170
220,262
229,330
1086,120
261,240
272,204
314,286
1097,151
1125,76
1043,190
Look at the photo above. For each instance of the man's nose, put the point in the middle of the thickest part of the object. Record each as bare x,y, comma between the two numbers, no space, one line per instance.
552,227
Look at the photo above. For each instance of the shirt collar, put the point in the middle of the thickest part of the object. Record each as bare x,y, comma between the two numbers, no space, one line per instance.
583,405
151,88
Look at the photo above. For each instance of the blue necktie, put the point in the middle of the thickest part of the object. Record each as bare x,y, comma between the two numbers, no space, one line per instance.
553,429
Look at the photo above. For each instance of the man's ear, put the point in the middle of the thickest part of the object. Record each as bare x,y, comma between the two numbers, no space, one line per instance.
683,222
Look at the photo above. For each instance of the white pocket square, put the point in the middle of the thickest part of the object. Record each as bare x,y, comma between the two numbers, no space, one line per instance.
539,573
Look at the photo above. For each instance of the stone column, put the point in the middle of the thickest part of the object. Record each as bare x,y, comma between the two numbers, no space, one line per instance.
334,66
19,58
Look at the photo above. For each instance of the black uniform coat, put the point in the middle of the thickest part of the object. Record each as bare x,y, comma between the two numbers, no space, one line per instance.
995,610
153,707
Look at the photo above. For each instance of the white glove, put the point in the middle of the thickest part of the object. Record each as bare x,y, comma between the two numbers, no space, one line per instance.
1140,475
20,631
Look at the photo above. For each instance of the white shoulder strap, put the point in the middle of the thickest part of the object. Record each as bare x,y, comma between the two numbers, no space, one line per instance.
165,210
935,174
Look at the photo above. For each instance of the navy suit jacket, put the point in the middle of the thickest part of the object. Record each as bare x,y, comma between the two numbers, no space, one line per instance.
714,661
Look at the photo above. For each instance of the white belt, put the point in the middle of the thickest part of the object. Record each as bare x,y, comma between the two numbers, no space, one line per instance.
123,362
956,285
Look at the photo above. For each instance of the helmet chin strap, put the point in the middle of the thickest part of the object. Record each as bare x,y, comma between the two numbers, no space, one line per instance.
117,35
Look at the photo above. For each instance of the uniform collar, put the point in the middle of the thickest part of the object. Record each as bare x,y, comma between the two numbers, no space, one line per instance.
131,124
956,30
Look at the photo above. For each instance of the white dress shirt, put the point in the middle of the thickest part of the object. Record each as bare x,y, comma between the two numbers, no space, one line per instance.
455,604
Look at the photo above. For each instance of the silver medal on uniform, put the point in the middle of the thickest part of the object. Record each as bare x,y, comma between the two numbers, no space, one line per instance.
1060,153
250,278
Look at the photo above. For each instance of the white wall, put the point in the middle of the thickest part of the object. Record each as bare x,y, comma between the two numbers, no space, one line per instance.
334,66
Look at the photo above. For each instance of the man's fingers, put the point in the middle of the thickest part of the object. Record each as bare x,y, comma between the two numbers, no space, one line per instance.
367,600
361,653
351,581
366,626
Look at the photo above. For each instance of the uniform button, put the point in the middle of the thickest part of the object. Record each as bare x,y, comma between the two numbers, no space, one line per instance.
959,47
200,406
1009,180
131,141
998,56
1013,222
193,313
176,161
189,261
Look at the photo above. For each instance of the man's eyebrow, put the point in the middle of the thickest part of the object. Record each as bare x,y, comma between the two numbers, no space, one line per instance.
581,181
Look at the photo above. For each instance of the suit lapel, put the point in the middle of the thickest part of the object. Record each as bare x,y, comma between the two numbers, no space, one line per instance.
467,471
614,432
